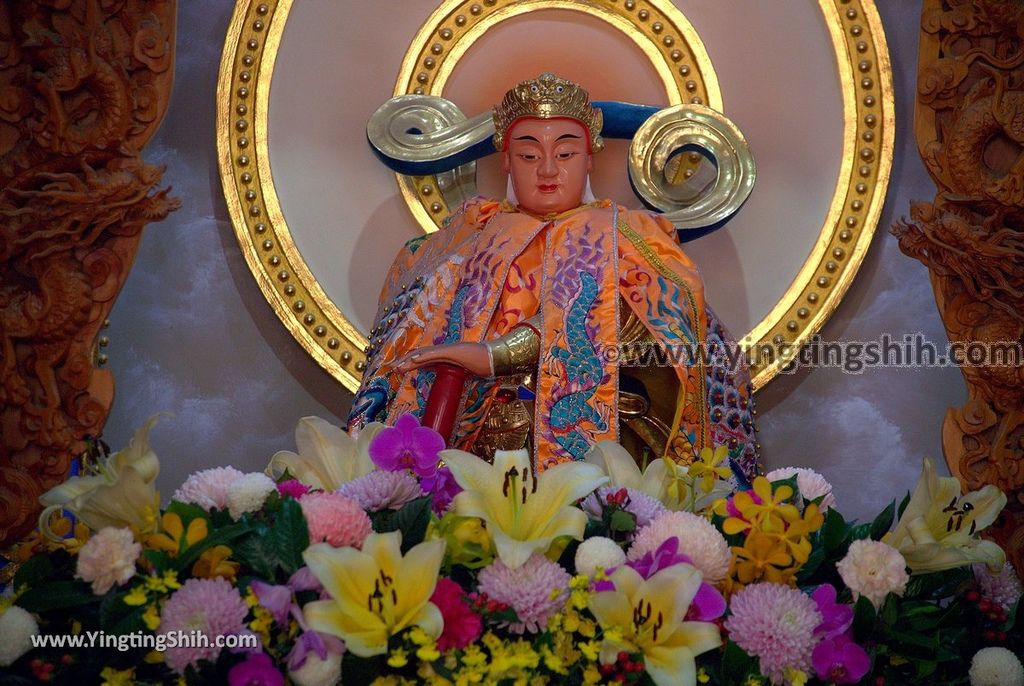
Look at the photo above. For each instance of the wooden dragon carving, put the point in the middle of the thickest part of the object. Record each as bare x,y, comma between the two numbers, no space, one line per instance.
83,86
970,132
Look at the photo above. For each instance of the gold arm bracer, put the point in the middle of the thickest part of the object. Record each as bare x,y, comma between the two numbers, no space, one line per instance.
517,351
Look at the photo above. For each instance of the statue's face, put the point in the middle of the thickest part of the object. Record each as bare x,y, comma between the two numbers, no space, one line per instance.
548,160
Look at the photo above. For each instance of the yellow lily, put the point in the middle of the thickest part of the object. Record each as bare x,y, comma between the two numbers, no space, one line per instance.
939,528
647,617
328,457
121,493
375,592
524,512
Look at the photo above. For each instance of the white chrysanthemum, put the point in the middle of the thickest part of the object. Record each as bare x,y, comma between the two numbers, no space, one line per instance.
874,569
17,627
108,558
811,484
598,552
994,666
208,488
317,672
698,539
248,493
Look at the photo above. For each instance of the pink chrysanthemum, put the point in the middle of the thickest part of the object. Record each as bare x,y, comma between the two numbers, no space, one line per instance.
381,490
212,607
776,624
644,507
335,519
208,488
1003,588
811,484
535,590
699,540
108,558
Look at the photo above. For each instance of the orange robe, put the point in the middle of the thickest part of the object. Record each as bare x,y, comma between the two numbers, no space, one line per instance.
492,266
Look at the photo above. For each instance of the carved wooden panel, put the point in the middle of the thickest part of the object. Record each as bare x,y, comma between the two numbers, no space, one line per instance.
83,86
970,132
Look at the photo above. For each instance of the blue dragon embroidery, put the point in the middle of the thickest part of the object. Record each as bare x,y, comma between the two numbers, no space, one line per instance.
583,370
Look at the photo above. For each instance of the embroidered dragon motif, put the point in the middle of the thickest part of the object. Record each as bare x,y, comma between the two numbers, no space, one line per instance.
582,374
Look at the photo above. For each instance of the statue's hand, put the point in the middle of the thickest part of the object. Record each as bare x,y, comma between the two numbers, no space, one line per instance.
472,357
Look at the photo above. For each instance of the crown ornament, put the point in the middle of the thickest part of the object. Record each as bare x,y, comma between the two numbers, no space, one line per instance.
547,97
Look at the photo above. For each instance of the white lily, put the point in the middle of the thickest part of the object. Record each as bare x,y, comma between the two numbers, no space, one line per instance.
524,511
327,456
939,528
121,493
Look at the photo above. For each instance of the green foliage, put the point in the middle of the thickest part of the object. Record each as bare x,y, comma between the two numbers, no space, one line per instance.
412,520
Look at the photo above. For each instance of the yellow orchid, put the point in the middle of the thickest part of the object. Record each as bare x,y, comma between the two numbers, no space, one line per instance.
939,528
759,508
763,557
646,616
706,468
171,539
122,492
328,457
524,512
214,562
375,592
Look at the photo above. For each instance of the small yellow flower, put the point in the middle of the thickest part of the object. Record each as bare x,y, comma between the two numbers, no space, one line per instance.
759,508
262,623
795,677
428,653
702,676
114,677
136,597
152,617
398,658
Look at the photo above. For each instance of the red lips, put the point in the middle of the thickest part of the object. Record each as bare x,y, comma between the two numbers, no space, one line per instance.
546,188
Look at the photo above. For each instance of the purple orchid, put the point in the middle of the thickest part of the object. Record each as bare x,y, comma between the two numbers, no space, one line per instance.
443,487
407,445
840,661
257,670
313,642
836,617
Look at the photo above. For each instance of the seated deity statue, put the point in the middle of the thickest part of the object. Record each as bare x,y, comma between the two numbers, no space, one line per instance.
577,320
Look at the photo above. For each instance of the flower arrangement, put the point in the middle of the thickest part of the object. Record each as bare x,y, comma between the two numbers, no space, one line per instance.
385,559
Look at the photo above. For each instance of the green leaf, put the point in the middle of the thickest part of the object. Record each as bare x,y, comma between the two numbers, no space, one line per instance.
258,553
117,618
57,596
222,536
883,522
290,535
863,618
903,505
622,521
35,571
834,530
736,664
890,610
814,561
860,532
412,520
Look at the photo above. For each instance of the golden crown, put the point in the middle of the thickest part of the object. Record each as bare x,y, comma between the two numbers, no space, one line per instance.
547,97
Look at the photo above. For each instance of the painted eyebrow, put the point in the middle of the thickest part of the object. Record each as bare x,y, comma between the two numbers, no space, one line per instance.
526,138
569,135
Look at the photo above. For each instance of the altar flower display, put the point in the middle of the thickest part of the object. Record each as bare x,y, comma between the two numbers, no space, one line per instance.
434,567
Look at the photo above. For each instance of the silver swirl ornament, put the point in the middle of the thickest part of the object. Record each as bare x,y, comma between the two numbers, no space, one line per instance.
694,165
419,135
